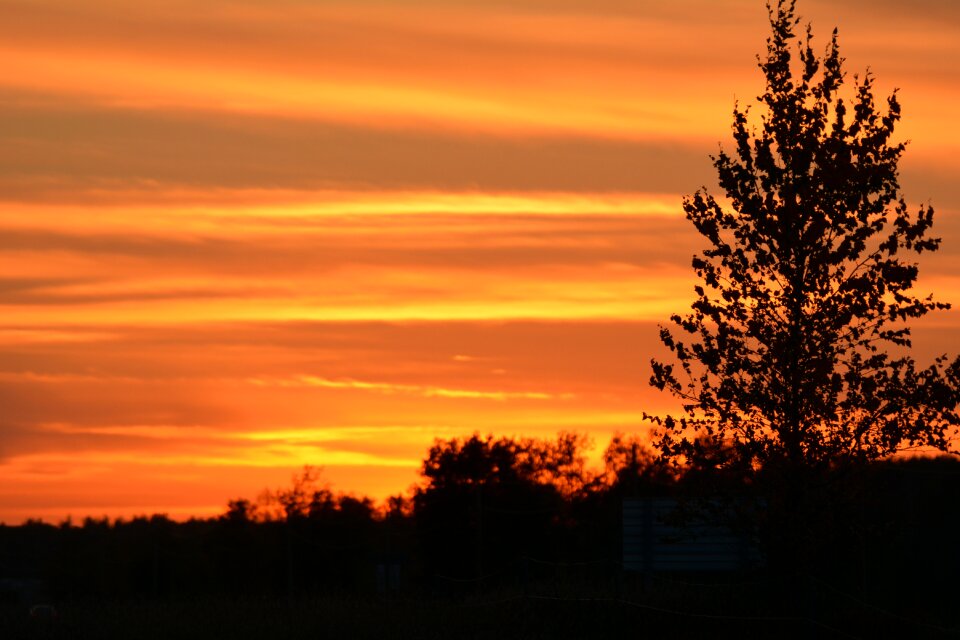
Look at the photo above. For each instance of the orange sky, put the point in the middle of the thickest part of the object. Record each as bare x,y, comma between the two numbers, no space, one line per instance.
240,237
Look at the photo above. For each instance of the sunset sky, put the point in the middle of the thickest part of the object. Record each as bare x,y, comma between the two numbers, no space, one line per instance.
241,237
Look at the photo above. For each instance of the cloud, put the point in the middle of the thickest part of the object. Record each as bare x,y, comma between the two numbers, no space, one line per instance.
64,150
187,390
347,62
105,293
312,245
653,74
522,255
391,388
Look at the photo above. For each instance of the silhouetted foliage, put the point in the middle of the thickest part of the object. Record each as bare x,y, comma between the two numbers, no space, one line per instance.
495,519
793,366
305,497
488,501
240,512
631,467
795,348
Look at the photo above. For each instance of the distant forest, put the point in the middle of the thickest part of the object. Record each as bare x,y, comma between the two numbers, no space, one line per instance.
490,515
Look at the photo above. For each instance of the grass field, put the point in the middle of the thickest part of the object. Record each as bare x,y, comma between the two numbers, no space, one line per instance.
547,612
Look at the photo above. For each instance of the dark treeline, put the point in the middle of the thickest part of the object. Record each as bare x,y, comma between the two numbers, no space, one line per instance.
489,514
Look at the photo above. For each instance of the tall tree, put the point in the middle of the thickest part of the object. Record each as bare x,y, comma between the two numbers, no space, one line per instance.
796,352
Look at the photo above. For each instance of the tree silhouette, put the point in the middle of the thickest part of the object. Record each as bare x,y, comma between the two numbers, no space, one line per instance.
486,501
796,353
631,467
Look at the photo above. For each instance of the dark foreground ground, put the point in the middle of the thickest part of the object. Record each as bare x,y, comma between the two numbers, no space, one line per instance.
665,609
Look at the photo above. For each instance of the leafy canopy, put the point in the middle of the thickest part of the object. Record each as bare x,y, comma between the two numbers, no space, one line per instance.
796,350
